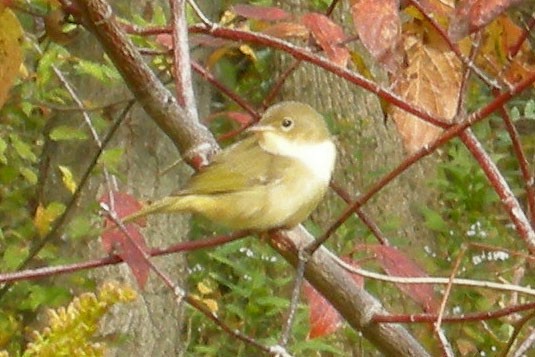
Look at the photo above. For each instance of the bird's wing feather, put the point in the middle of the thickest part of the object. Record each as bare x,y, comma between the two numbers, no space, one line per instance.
244,164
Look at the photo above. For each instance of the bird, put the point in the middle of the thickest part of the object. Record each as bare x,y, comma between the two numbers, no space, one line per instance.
273,178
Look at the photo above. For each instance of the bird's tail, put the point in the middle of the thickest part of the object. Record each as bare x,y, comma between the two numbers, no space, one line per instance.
165,205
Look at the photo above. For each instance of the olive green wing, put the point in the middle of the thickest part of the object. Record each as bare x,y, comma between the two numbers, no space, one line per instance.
245,164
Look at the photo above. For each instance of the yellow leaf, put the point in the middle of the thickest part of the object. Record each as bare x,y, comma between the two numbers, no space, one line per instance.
248,51
228,16
45,216
68,178
204,288
10,51
211,304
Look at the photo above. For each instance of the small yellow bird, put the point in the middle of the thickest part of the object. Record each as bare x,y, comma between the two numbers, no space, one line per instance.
274,178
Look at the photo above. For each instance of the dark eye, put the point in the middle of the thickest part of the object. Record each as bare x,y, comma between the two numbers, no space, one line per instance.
287,123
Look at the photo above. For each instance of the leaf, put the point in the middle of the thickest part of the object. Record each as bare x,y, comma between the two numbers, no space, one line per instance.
13,255
45,216
248,51
287,30
23,150
438,8
64,132
100,71
379,28
329,36
10,51
263,13
29,175
67,178
499,38
430,80
123,204
324,318
472,15
396,263
129,244
3,147
111,158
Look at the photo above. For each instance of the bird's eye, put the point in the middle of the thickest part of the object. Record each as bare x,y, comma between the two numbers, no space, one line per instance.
287,123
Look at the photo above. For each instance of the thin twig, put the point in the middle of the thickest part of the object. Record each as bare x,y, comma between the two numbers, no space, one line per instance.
298,282
442,307
36,248
40,273
431,318
435,280
205,20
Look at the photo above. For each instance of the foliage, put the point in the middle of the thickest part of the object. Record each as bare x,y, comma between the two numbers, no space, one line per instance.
71,330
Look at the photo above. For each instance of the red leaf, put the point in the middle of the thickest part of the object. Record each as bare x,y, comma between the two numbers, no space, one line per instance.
323,317
129,246
329,36
263,13
123,204
396,263
379,28
471,15
286,29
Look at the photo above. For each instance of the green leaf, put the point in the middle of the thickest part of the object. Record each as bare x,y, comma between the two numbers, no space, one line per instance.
102,72
29,175
529,110
13,256
3,147
23,150
433,220
64,132
111,158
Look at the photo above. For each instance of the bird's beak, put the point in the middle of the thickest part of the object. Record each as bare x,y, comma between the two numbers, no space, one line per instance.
260,129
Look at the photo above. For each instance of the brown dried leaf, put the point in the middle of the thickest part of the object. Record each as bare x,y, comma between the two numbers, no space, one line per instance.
379,28
472,15
329,36
430,80
499,38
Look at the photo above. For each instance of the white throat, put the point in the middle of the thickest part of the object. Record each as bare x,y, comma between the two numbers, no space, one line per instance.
318,157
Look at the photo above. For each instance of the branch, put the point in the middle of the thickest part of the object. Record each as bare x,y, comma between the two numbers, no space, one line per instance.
194,141
355,304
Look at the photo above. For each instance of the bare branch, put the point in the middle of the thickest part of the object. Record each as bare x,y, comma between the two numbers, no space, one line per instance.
194,141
